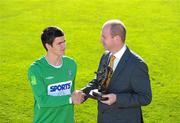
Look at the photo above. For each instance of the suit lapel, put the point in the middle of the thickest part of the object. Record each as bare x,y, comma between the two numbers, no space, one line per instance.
122,63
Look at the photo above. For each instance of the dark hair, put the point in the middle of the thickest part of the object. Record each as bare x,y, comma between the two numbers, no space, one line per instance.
49,34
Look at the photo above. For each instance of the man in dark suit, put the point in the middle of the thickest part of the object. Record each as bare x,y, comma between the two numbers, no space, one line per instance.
129,86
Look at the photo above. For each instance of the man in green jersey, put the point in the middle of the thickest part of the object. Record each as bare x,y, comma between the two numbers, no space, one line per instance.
52,80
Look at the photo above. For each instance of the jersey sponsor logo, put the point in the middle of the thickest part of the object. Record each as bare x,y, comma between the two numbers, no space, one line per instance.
60,89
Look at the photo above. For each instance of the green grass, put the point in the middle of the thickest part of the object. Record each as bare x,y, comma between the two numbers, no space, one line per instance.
152,31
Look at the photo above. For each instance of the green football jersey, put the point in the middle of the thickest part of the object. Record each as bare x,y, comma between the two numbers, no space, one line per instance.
52,88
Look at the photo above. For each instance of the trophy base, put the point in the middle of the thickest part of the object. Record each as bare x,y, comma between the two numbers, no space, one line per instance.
95,94
99,96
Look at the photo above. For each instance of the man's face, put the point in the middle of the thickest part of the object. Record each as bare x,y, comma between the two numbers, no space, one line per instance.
106,38
58,46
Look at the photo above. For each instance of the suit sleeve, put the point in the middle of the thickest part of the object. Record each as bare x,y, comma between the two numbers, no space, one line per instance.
141,90
40,91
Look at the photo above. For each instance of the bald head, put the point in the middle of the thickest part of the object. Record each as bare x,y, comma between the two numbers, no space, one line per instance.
117,28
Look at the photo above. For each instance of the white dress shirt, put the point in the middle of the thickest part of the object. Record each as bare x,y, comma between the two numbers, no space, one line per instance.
118,56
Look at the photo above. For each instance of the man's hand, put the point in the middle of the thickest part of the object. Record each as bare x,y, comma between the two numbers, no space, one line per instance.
77,97
111,99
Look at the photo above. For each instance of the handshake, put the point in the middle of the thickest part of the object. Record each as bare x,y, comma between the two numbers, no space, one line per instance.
77,97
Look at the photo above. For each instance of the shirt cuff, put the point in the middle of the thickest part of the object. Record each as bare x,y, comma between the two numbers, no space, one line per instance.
70,100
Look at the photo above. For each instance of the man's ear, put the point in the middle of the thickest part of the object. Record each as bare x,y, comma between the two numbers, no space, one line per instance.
48,46
117,38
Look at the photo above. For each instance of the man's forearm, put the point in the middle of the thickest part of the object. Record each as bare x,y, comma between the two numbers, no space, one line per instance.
133,100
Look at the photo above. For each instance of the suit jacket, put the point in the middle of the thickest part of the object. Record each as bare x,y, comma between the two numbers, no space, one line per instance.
130,82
